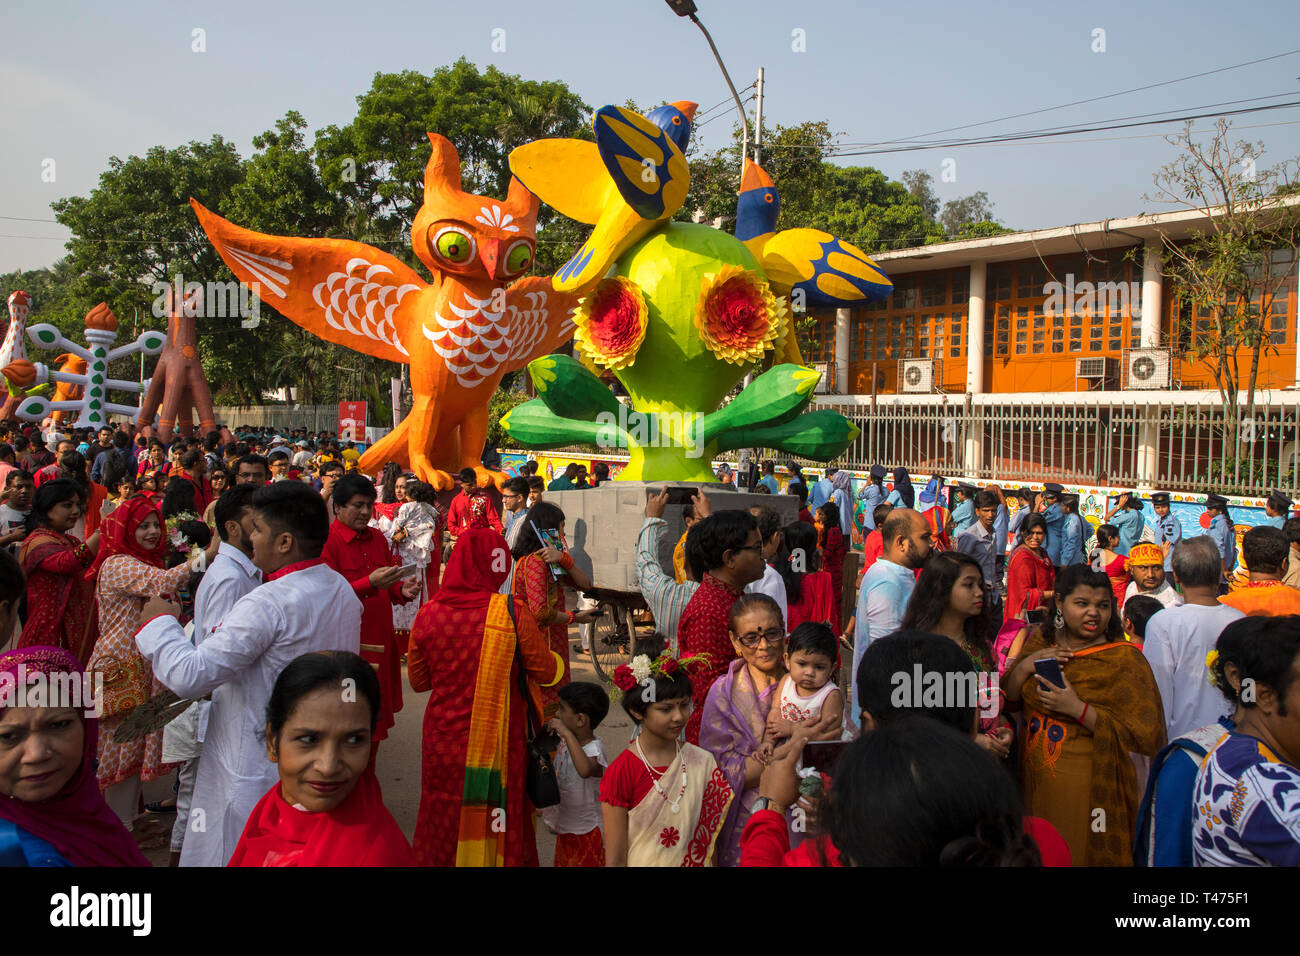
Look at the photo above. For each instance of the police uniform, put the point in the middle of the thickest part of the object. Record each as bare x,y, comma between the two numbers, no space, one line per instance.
1223,533
1279,502
1169,530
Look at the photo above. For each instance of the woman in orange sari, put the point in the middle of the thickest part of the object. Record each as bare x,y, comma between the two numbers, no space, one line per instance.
1075,756
60,600
468,645
534,584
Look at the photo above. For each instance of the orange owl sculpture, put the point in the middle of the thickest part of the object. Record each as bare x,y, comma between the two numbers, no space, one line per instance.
460,333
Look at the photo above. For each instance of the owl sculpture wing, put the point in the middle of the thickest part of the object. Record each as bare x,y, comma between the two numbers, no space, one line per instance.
344,292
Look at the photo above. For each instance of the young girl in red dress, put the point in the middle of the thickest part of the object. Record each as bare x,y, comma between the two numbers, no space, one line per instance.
663,801
834,547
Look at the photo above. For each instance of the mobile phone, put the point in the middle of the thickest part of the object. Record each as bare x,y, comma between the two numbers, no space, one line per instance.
681,495
823,754
1049,669
406,570
1036,615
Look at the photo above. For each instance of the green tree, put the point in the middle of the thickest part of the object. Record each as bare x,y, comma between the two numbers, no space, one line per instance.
1228,271
376,162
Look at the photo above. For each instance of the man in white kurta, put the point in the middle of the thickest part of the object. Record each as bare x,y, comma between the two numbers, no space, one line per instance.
229,577
302,608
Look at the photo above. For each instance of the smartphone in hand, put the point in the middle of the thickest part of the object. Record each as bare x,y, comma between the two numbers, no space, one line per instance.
1049,669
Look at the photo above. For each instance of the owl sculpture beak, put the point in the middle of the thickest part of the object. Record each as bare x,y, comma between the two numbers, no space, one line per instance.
489,253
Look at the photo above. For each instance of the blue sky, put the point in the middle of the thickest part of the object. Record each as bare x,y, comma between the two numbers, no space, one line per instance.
82,81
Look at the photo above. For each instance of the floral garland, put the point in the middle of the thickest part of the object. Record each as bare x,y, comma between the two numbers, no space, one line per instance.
628,677
1211,659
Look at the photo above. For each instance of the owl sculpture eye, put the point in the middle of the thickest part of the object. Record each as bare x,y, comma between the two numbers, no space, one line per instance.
453,245
519,258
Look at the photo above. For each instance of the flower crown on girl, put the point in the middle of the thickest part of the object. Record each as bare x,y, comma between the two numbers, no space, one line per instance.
628,677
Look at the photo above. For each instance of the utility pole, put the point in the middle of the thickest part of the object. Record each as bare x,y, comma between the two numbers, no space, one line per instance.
758,124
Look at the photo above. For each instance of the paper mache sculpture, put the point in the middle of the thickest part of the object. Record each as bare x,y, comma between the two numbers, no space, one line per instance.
460,333
14,348
92,408
179,388
680,311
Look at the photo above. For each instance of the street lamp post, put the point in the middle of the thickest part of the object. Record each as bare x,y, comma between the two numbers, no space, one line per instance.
687,9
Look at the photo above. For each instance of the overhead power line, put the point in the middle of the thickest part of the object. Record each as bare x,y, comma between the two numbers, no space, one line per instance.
1095,99
1031,135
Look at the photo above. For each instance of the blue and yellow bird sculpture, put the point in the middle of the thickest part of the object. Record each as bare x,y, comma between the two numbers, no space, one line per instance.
806,264
632,179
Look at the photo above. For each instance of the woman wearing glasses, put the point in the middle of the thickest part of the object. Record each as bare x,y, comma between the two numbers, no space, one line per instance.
736,710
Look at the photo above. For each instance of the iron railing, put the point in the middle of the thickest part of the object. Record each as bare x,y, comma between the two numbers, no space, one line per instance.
1197,447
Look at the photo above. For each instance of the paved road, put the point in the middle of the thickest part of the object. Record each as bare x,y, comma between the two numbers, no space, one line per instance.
399,761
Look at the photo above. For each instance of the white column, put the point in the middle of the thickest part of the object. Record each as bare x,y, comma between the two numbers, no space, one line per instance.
1152,307
1295,335
842,319
1153,294
975,329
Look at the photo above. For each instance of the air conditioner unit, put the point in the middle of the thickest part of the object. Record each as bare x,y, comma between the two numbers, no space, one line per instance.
1100,370
825,384
1148,369
919,375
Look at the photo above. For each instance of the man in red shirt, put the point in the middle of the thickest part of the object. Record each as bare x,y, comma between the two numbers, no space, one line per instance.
362,555
194,468
733,550
472,508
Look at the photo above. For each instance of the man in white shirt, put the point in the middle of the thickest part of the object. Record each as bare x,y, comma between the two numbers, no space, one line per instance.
888,584
304,606
1179,638
771,583
302,457
231,575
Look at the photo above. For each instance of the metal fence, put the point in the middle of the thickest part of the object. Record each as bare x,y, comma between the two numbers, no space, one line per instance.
312,417
1176,447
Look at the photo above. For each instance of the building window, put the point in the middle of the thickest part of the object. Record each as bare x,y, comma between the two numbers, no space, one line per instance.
959,281
934,289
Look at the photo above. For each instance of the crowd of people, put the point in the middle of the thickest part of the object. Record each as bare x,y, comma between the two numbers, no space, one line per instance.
252,608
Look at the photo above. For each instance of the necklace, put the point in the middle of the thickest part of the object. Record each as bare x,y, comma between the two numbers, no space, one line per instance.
654,777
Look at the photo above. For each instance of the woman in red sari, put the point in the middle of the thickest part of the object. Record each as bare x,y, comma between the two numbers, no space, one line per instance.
60,600
467,646
326,810
534,585
1029,571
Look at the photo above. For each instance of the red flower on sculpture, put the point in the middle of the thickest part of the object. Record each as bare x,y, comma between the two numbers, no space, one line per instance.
738,316
670,837
611,323
623,678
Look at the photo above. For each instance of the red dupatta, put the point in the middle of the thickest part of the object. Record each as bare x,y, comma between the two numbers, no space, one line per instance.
358,832
75,821
117,534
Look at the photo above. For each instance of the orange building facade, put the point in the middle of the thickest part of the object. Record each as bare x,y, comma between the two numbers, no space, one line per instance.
1015,313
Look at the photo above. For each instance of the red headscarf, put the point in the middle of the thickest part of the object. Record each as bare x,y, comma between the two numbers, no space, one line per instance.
117,534
75,821
478,566
358,832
